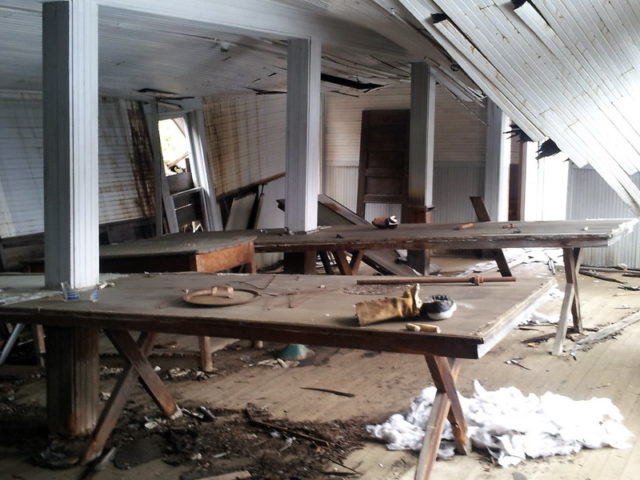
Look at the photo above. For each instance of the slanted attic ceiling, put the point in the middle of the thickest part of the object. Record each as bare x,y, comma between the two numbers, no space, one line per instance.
564,69
561,69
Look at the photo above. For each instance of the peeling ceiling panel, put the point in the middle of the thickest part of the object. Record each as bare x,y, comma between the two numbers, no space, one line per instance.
566,69
218,47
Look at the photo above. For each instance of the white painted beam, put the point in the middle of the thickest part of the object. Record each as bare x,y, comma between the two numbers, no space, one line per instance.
70,122
496,173
268,19
303,134
165,207
201,169
421,137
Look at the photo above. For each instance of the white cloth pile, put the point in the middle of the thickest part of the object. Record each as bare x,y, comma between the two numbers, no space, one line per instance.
512,426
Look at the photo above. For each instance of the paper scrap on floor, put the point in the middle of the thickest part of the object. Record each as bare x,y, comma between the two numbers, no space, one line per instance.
512,426
531,316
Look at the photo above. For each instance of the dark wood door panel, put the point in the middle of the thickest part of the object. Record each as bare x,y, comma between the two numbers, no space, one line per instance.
384,157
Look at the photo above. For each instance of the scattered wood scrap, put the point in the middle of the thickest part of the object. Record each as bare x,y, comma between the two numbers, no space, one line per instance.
328,390
593,274
607,332
539,338
240,475
273,426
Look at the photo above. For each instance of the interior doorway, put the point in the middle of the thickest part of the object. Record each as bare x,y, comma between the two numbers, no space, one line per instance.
177,159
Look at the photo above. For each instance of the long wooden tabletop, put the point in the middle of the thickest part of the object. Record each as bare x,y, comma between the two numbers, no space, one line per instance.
482,235
304,309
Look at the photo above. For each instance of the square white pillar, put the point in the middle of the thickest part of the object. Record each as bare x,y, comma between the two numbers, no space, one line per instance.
70,104
421,141
496,173
303,134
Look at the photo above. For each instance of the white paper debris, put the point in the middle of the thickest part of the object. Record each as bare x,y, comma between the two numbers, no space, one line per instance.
517,256
512,426
531,316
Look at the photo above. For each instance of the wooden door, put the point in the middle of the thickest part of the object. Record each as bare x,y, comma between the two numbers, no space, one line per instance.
384,157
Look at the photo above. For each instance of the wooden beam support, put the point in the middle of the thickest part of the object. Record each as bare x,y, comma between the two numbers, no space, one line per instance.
498,255
117,401
343,264
421,143
300,262
572,262
446,404
73,380
303,134
126,346
496,174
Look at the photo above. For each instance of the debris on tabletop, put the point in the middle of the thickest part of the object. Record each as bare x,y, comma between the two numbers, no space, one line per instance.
436,307
386,222
374,311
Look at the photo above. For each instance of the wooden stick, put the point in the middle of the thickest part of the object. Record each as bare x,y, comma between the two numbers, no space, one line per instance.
423,327
475,279
589,273
271,426
465,226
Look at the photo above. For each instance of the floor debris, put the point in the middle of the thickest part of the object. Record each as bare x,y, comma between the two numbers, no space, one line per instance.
606,332
512,426
328,390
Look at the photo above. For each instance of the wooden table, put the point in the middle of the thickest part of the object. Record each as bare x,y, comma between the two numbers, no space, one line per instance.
290,308
570,235
180,252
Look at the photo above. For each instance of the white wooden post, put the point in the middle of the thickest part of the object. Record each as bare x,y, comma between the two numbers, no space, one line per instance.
202,172
421,141
70,121
163,199
303,134
496,174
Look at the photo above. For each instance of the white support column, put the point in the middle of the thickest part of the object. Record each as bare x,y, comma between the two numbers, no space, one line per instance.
71,211
202,172
303,134
496,173
421,141
163,199
70,100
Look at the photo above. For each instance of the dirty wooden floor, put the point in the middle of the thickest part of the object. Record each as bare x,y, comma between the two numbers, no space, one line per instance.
386,383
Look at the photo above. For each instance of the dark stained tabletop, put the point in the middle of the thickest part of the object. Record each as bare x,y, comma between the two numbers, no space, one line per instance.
482,235
177,243
309,309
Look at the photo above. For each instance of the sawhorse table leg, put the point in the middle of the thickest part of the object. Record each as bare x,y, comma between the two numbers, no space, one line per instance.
571,298
446,404
136,354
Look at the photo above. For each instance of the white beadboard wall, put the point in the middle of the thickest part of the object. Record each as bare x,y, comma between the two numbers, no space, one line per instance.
460,141
589,196
246,135
21,177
